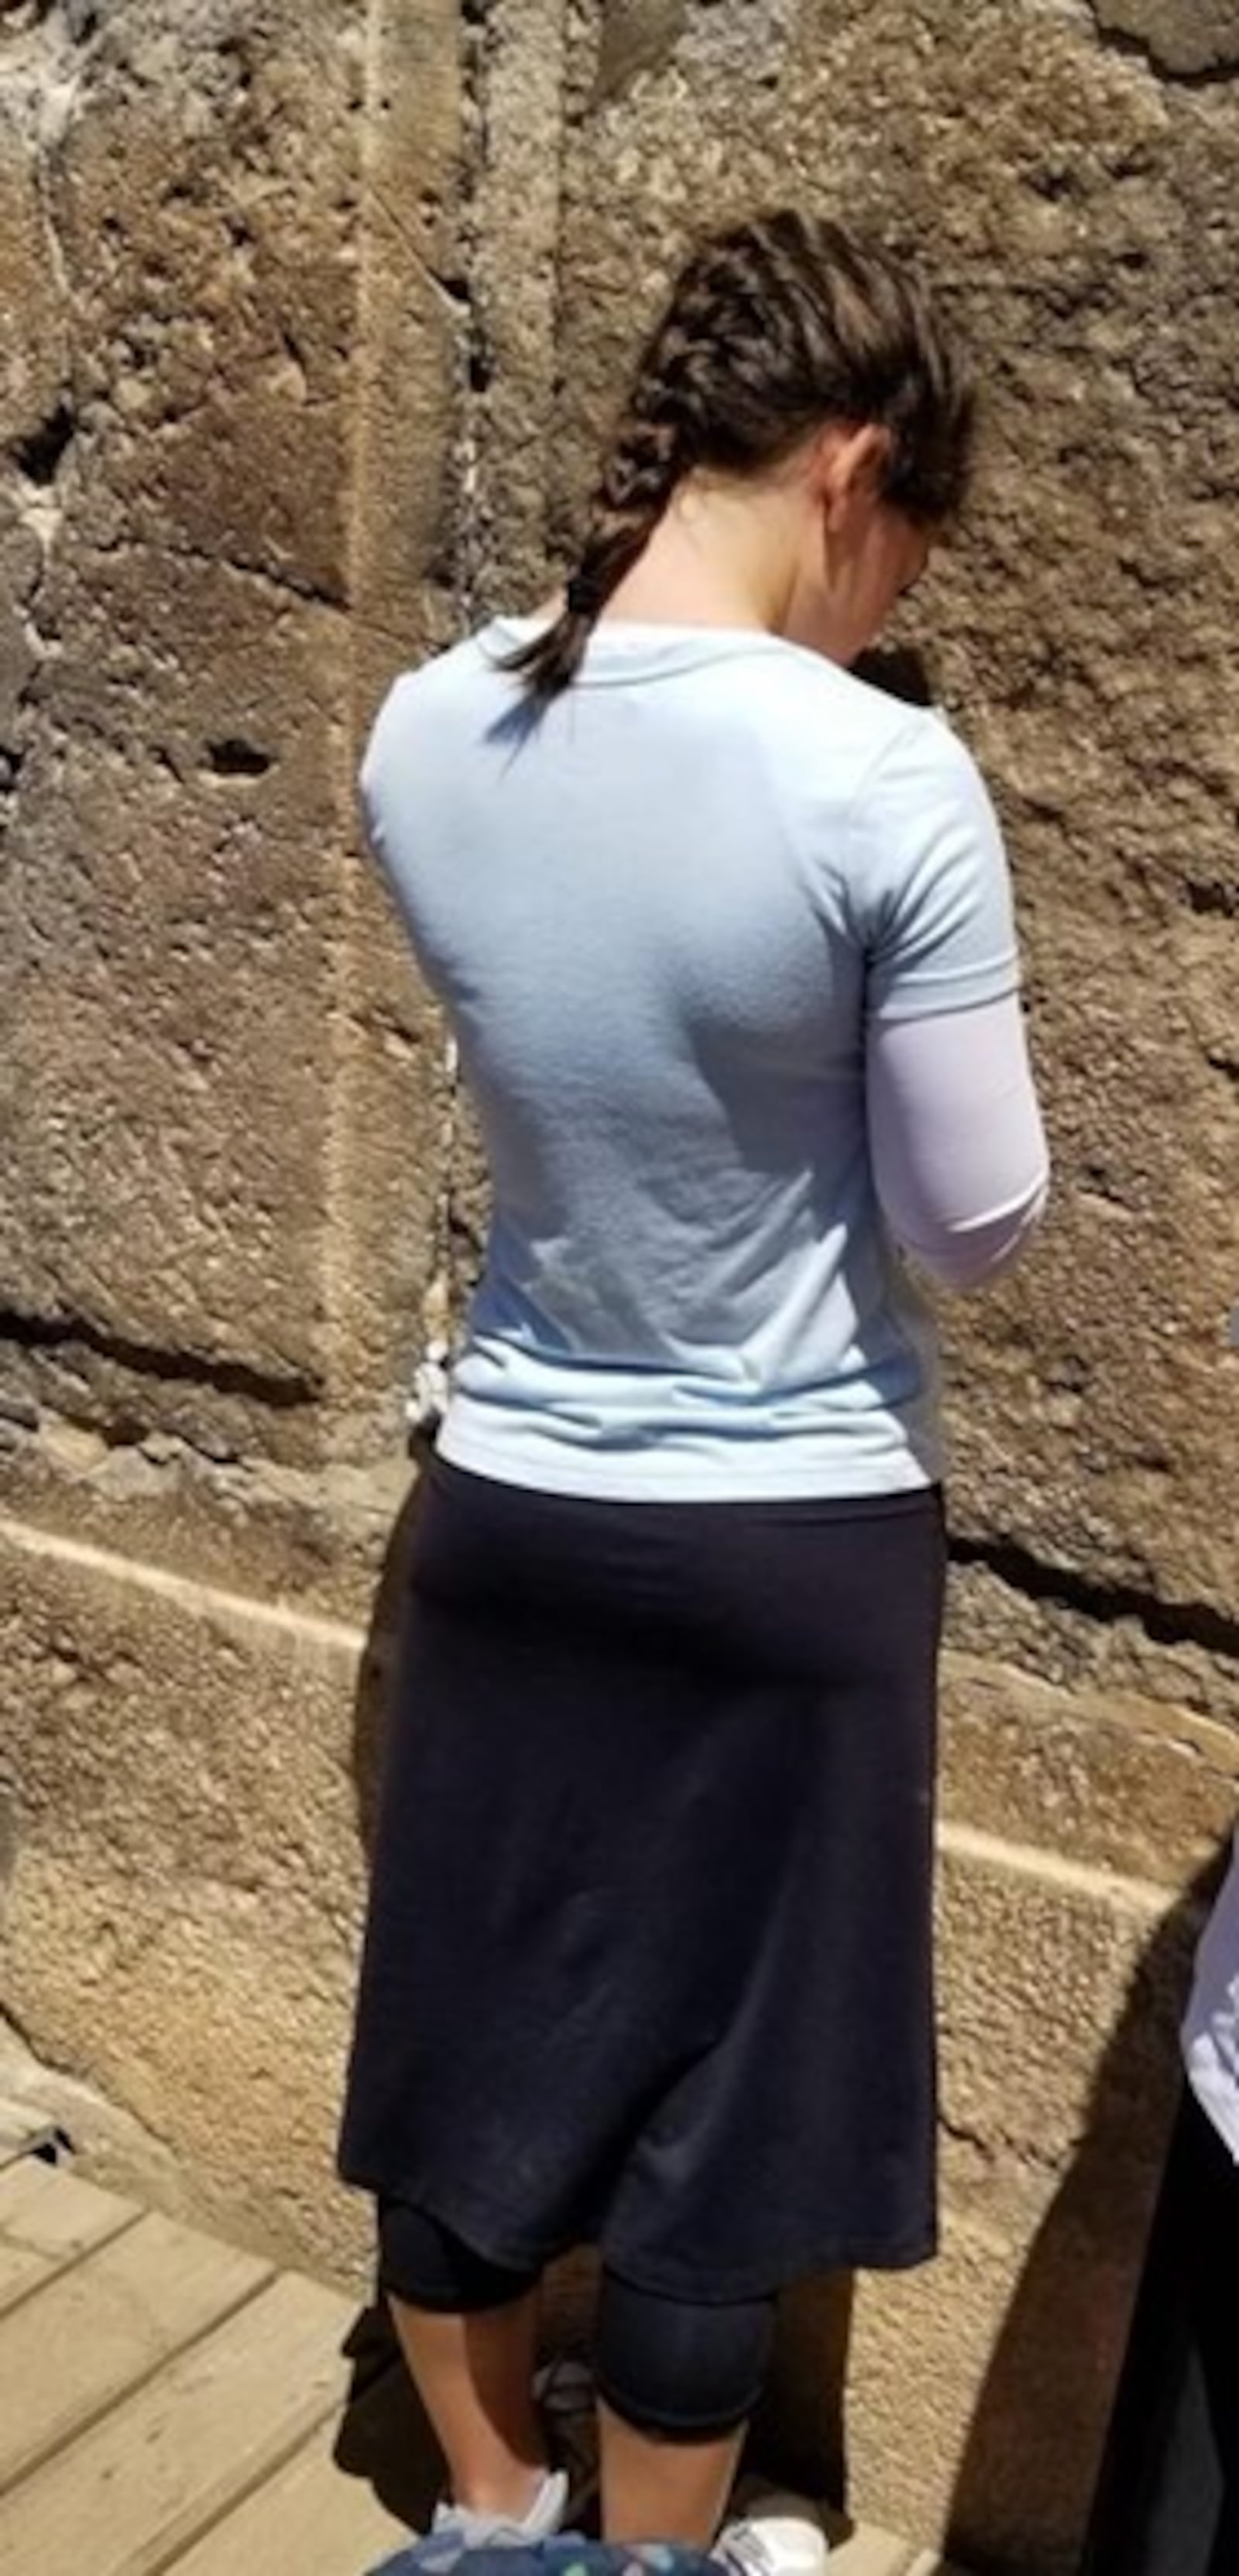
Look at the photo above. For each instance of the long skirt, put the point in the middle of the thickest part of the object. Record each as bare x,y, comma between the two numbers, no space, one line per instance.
648,1961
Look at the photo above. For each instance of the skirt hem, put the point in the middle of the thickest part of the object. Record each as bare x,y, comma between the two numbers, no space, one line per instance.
485,2231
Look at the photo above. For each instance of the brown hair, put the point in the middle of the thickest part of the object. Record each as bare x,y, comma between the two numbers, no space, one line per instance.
773,328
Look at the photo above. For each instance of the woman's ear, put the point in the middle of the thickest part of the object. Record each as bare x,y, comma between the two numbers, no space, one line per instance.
847,466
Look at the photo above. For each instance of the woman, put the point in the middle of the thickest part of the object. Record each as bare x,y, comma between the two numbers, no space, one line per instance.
1167,2499
725,937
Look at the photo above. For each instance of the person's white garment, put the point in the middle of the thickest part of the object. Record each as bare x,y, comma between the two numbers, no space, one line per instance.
1211,2029
726,940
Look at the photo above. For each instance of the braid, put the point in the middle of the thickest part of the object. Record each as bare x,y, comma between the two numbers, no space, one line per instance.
775,327
649,453
645,463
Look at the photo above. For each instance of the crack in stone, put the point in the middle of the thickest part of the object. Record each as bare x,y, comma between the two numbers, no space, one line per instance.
40,455
289,585
279,1392
1205,897
234,756
1164,1623
293,585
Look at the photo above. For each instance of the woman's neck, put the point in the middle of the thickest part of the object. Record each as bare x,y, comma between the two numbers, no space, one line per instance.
721,555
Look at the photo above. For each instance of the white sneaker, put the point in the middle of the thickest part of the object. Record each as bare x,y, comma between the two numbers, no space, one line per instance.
454,2530
544,2517
778,2535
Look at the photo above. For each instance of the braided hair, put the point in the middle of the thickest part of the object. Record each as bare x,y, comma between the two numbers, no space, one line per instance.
774,327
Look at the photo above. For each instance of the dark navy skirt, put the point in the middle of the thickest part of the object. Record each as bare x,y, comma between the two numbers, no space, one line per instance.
648,1961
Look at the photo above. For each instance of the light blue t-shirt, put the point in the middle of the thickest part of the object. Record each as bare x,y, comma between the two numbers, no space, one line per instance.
662,917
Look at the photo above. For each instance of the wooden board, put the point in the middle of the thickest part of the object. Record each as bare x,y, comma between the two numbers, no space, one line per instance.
163,2467
308,2520
102,2327
49,2219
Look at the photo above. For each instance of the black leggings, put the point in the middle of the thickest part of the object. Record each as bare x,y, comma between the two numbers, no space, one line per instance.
671,2367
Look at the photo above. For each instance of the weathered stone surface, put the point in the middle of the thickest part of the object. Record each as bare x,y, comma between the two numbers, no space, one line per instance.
979,2386
214,270
978,2414
1117,1783
167,952
1182,36
34,373
174,835
182,1875
1020,1612
314,1536
1047,1970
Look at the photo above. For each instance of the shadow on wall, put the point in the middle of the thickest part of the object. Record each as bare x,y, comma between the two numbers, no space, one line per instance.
1026,2476
901,670
1025,2479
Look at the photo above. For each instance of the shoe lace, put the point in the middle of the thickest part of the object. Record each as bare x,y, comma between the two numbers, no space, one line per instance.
743,2547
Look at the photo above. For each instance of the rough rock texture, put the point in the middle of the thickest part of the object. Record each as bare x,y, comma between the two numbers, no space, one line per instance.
180,1841
1184,37
314,314
179,458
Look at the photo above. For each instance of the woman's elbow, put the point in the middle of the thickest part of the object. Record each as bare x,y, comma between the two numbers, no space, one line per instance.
963,1257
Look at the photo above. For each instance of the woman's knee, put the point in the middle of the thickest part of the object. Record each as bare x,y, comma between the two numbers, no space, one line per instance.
428,2266
677,2368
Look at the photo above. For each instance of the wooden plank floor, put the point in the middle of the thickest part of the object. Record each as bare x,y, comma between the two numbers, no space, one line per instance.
171,2407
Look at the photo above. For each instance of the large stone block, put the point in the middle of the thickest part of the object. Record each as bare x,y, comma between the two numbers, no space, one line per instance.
206,198
182,1875
1061,1993
231,518
980,2386
1112,1782
167,957
315,1537
180,390
1008,1606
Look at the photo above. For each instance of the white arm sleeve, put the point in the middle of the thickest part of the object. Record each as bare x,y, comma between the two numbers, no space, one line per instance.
955,1138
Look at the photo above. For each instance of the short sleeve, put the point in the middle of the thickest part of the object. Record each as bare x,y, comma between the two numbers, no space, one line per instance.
930,890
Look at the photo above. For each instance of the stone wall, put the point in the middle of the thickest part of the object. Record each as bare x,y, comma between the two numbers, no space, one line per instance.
313,312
